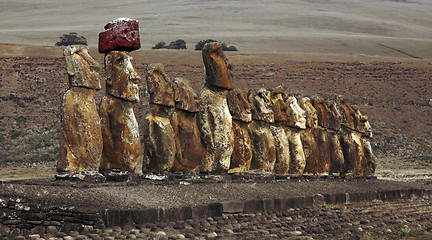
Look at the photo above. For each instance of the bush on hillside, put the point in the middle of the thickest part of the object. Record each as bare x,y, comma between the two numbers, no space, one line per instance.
177,44
71,39
200,45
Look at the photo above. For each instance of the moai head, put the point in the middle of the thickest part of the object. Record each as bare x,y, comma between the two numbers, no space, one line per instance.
279,106
311,113
184,96
122,79
335,117
353,119
159,85
296,115
239,106
260,100
81,67
217,66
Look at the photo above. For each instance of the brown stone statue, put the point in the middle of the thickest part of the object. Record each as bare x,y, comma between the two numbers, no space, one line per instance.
241,117
120,130
263,142
81,137
160,143
215,121
280,109
356,134
295,124
189,146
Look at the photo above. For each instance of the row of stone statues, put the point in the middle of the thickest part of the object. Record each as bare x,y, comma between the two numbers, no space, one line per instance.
220,130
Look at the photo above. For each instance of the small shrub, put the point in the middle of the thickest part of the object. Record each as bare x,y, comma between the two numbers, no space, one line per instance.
71,39
200,45
177,44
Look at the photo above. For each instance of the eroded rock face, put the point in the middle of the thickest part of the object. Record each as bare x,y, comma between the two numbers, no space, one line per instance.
189,146
122,78
159,86
119,126
310,112
298,159
120,132
121,34
81,136
280,110
328,117
184,96
240,110
263,147
353,119
215,123
160,142
260,100
296,115
310,138
218,68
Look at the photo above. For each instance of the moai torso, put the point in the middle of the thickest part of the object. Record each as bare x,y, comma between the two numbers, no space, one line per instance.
280,108
214,119
189,148
356,134
263,143
120,130
295,125
81,137
240,110
160,144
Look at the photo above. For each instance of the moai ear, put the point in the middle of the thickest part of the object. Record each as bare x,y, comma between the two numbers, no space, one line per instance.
108,68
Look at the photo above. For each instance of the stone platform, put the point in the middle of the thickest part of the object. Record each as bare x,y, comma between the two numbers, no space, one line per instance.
140,200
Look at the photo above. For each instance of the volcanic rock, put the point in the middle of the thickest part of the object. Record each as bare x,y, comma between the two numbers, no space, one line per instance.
263,147
260,99
81,136
184,96
159,86
327,117
215,124
121,34
217,66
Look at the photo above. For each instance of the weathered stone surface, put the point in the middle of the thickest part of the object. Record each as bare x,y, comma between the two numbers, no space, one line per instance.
296,115
279,106
353,119
217,66
283,157
298,159
189,146
328,117
239,106
159,85
121,34
81,137
121,77
120,130
215,125
184,96
240,110
353,152
260,99
160,144
263,147
310,112
311,149
242,152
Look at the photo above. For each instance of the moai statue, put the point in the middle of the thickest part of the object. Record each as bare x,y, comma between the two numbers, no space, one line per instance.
309,138
160,144
263,142
241,114
356,134
295,125
189,146
120,130
280,109
81,137
329,121
214,119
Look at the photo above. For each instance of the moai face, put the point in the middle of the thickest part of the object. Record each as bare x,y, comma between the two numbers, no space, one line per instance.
159,85
311,113
296,115
261,105
81,67
122,78
280,107
239,106
217,66
184,96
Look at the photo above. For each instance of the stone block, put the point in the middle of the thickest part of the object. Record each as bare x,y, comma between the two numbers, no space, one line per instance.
233,207
120,35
